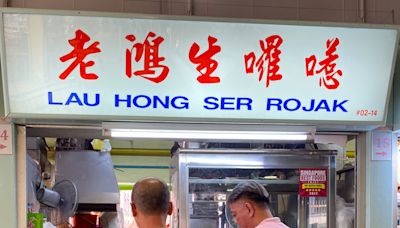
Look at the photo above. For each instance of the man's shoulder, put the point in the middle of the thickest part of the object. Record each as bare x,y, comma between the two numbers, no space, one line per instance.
274,222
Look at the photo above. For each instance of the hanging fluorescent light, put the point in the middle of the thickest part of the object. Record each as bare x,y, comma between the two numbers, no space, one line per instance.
217,135
209,132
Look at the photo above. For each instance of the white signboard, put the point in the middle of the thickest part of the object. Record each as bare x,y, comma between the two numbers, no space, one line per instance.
6,138
381,145
132,68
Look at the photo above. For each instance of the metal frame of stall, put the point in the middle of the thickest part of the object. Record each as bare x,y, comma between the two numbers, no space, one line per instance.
185,159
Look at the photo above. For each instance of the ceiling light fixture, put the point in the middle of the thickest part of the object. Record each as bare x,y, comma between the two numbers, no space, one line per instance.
208,132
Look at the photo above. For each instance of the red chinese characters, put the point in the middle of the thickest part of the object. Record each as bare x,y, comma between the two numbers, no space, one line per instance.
206,65
80,53
147,51
327,66
143,59
268,60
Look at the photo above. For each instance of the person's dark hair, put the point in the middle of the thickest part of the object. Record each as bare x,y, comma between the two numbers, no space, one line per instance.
252,191
151,196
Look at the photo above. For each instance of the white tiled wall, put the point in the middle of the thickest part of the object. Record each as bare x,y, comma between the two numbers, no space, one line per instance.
376,11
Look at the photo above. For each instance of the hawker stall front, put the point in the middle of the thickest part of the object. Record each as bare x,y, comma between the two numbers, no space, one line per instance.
299,108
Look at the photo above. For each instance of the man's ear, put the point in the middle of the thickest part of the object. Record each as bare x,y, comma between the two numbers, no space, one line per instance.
170,208
250,208
134,210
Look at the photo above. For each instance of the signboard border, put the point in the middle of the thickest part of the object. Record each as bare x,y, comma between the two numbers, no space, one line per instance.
8,112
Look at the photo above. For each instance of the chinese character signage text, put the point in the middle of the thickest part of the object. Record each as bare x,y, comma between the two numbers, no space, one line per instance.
132,68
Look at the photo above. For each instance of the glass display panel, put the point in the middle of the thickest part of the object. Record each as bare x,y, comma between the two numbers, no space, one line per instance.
210,187
317,212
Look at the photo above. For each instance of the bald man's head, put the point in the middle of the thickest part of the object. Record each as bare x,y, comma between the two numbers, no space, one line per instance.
151,196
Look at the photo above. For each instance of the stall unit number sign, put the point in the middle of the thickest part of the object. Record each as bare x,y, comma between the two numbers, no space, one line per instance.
6,139
153,68
313,183
381,145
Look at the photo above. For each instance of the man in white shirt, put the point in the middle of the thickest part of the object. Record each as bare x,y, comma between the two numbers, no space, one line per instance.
249,204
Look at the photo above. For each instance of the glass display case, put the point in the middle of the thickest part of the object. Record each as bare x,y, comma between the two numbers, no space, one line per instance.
203,178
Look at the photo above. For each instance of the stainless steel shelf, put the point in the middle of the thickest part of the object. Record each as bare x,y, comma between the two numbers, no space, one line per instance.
238,181
203,216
